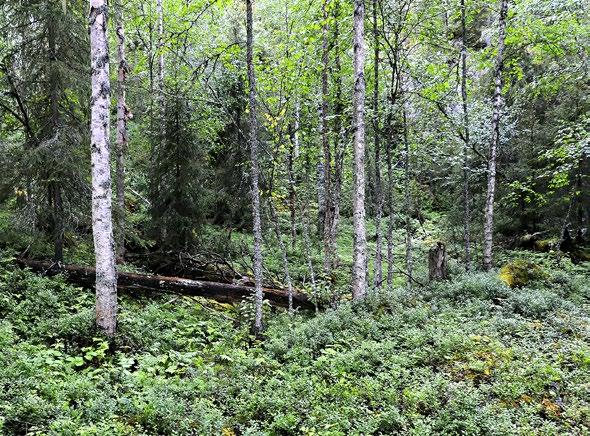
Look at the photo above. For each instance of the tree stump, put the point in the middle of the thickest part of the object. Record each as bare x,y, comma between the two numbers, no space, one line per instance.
437,262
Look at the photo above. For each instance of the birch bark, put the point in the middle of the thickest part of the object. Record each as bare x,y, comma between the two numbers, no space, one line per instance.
359,269
102,226
253,139
491,191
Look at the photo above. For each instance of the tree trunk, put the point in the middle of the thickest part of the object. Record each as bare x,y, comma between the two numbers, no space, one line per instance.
253,139
437,262
291,155
390,211
408,197
160,12
359,269
307,244
327,224
102,225
378,279
284,256
466,144
123,115
223,292
339,140
390,180
495,141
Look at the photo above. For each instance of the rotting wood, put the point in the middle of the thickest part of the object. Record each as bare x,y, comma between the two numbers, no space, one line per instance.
222,292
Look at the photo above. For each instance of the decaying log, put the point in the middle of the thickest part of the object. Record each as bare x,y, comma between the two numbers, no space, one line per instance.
223,292
437,262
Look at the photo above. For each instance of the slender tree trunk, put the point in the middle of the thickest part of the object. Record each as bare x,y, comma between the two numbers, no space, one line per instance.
407,184
390,211
292,194
408,198
102,225
307,248
495,142
390,180
466,163
160,12
378,279
321,186
257,265
291,155
339,139
284,256
327,224
123,115
359,269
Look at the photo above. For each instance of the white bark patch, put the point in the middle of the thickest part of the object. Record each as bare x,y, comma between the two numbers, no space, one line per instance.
102,226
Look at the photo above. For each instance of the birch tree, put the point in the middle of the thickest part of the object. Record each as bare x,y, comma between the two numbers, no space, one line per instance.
255,169
495,141
359,268
102,226
327,176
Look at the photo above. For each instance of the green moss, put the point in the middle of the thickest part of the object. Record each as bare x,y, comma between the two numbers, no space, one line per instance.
520,273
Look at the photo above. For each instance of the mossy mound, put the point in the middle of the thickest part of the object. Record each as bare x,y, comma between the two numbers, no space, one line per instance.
520,273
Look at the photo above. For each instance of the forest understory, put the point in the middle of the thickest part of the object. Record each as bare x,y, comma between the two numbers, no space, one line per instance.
469,355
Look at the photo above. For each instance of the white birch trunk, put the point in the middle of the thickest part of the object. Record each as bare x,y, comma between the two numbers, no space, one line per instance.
495,141
359,268
257,226
327,223
102,226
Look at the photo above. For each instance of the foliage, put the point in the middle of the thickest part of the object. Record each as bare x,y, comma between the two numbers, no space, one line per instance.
470,356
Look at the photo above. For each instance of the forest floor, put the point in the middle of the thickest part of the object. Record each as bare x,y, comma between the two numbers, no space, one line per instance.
467,356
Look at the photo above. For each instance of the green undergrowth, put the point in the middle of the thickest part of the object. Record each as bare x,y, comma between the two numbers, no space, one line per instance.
471,356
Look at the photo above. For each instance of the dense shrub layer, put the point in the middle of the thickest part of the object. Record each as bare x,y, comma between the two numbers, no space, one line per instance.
471,356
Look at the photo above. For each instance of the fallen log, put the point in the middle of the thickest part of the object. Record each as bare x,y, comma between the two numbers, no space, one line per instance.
222,292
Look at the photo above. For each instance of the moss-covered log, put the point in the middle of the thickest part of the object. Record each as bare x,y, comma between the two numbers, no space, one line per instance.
223,292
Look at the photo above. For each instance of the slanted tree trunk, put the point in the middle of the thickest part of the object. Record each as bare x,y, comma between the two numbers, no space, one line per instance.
466,144
253,140
102,225
123,115
359,268
327,224
437,262
378,279
495,141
